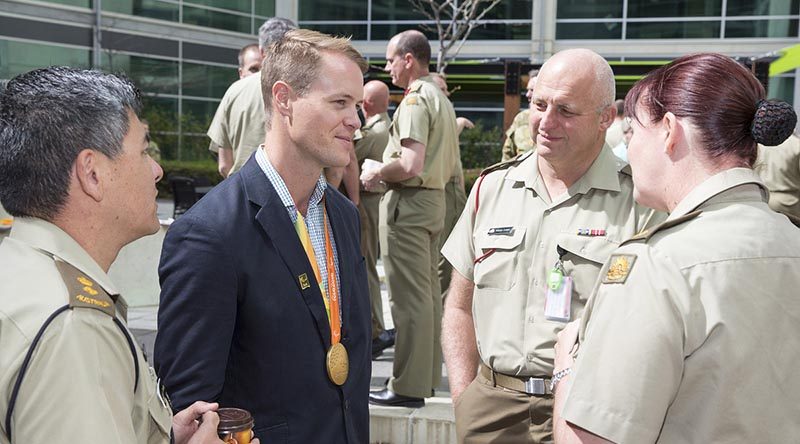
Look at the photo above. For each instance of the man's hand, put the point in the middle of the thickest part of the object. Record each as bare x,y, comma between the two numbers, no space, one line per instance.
565,347
371,179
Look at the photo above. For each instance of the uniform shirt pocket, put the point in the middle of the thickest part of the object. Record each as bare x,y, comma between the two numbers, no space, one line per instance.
583,260
158,407
498,254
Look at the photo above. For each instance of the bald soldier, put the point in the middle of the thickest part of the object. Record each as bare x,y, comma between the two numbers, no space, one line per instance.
238,125
370,142
527,250
779,166
418,162
518,135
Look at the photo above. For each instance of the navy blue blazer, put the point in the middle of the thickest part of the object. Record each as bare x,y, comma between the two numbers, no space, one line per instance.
235,327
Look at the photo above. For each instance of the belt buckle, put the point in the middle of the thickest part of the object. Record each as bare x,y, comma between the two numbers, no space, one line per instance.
534,386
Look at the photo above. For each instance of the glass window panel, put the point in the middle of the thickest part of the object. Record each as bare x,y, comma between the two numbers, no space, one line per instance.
357,32
510,10
673,30
81,3
501,31
265,8
166,110
385,32
143,8
197,115
206,80
588,31
395,10
150,75
781,88
333,10
763,7
761,28
214,19
584,9
19,57
233,5
674,8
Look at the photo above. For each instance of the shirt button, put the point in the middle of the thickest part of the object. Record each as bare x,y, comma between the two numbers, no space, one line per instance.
541,245
530,357
536,282
530,319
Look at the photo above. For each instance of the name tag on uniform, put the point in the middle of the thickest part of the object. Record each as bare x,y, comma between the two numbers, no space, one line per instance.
501,231
558,300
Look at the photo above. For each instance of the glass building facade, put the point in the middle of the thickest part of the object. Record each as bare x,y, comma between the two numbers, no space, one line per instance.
182,53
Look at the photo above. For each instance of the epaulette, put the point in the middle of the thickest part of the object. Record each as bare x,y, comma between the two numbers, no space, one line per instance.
415,87
83,291
626,170
647,234
508,163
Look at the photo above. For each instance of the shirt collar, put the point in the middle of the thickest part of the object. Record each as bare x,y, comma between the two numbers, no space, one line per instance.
603,174
715,185
52,240
280,186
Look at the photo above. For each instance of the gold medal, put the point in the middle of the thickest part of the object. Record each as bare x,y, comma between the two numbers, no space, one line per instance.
337,363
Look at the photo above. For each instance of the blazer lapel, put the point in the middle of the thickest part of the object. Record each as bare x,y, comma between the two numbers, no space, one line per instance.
277,225
335,212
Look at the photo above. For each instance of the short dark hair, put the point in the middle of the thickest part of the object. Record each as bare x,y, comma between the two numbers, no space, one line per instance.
243,51
415,43
273,30
689,87
47,116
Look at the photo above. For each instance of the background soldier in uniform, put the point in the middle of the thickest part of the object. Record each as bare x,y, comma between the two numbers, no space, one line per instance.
417,164
75,172
238,125
779,167
518,135
529,249
370,142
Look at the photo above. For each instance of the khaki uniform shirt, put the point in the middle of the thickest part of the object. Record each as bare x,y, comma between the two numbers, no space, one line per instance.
691,334
518,136
371,140
79,386
239,121
523,226
426,116
779,167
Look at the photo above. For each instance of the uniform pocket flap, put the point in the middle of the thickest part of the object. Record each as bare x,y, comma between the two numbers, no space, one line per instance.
500,238
595,249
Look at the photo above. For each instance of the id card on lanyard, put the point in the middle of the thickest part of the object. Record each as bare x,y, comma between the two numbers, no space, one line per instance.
558,298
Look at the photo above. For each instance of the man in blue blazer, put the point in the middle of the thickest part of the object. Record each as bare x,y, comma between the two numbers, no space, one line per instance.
264,300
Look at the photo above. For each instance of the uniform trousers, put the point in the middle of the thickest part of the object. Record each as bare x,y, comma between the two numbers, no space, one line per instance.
455,199
368,210
411,220
486,413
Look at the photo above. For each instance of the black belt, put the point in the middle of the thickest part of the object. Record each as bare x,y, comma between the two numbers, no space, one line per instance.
524,384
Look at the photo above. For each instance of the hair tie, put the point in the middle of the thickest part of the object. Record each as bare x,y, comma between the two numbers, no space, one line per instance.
773,122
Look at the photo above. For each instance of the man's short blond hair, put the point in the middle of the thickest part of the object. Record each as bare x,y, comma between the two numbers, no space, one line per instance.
296,58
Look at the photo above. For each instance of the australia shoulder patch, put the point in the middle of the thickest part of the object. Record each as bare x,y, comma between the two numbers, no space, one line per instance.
619,267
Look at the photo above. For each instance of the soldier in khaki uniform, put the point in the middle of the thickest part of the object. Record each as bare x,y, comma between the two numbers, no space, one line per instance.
370,142
779,167
557,211
71,369
455,197
518,135
238,125
418,162
690,334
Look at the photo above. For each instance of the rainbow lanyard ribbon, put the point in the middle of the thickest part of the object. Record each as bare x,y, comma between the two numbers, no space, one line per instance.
331,296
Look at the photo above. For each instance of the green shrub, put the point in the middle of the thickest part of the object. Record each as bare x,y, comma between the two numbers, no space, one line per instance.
481,146
206,169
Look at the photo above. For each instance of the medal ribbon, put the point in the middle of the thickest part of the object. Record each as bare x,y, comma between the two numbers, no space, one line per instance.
330,297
